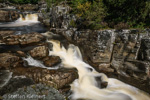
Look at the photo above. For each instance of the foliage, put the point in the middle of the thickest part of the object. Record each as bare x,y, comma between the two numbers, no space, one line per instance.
91,11
132,12
24,1
73,23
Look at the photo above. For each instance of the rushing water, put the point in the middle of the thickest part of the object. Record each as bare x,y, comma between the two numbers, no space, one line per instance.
86,86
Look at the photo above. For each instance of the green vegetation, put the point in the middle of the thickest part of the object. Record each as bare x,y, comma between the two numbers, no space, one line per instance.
134,13
92,12
119,14
24,1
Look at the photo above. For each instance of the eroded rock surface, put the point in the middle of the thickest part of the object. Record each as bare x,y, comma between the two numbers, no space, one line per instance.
51,61
9,61
25,39
39,52
55,78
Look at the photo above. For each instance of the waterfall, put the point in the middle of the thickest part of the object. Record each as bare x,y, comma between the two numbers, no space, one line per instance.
86,86
29,19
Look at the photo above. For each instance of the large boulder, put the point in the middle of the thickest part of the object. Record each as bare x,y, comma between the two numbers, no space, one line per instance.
9,61
39,52
55,78
25,39
8,16
51,61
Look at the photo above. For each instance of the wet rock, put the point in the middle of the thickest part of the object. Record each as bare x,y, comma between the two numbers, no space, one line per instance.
9,61
55,78
21,53
39,52
25,39
7,16
51,61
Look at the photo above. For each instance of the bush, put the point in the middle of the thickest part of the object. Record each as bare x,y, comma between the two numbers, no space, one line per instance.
92,12
132,12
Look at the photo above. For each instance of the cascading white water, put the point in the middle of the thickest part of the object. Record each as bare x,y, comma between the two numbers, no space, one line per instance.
85,86
37,63
29,19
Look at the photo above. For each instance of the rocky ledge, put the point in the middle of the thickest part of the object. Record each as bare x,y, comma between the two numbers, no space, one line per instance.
25,39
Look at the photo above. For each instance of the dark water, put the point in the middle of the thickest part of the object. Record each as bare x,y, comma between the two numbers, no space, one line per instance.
37,27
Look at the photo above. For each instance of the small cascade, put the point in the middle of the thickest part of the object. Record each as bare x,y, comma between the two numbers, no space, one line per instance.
28,18
86,87
37,63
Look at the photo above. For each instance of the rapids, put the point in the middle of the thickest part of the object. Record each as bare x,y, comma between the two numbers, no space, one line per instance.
29,19
86,87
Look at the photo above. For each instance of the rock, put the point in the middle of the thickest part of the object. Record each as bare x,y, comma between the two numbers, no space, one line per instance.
36,92
25,39
145,49
51,61
6,33
8,16
21,53
9,61
39,52
14,84
55,78
105,68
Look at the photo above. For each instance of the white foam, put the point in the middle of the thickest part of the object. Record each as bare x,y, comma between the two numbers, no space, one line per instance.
30,19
